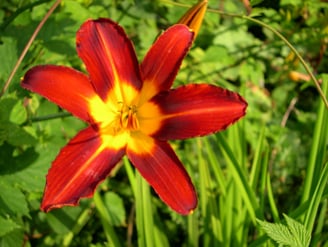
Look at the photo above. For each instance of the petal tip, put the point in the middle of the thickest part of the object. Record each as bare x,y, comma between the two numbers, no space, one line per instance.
48,206
188,209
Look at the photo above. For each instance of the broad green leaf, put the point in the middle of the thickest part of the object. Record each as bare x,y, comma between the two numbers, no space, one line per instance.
234,39
252,71
6,106
15,135
12,200
293,235
28,169
7,225
302,235
278,232
18,114
14,160
33,103
217,54
115,208
8,57
13,238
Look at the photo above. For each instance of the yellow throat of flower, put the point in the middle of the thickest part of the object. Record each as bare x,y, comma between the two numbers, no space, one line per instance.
123,114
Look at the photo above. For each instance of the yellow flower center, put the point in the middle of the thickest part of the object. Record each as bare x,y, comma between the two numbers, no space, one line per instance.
119,115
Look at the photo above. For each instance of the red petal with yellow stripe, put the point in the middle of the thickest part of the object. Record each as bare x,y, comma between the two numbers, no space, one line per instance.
68,88
196,110
80,166
159,165
163,60
108,55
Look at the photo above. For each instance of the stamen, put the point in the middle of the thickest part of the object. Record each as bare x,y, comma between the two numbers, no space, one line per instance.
128,117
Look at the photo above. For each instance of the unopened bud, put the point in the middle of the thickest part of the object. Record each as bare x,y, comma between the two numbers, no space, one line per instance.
194,16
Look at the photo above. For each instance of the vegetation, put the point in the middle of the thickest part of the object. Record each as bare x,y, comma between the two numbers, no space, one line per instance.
261,182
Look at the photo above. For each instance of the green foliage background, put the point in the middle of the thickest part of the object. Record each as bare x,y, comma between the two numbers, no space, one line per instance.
270,163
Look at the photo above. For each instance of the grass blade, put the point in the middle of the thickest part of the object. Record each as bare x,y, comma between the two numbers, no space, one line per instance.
318,149
104,217
240,179
316,199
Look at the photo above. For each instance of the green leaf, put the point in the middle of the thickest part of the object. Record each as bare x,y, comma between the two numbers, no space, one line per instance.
33,103
7,225
8,55
277,232
302,235
13,238
6,105
294,234
252,71
291,2
255,2
63,220
216,54
115,207
18,114
12,200
29,168
14,160
15,135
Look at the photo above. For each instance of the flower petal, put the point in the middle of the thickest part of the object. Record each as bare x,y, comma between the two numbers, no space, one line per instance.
158,164
194,16
79,168
68,88
109,57
193,110
163,60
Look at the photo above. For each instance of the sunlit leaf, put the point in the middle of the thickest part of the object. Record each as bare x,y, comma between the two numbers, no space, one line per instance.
299,231
6,106
12,200
8,57
18,114
294,234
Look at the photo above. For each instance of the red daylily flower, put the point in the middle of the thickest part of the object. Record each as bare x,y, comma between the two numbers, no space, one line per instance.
130,110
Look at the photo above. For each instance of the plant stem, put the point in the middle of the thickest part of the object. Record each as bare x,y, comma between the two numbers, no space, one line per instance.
79,224
50,117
